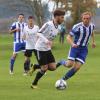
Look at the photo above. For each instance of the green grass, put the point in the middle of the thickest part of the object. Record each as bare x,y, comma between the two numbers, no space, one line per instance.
85,85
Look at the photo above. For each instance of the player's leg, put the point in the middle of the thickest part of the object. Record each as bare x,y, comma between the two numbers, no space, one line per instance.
12,61
51,61
39,75
13,58
34,66
52,66
72,71
80,60
42,60
71,56
28,54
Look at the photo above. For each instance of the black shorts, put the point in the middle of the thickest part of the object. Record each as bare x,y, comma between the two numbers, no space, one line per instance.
28,53
44,57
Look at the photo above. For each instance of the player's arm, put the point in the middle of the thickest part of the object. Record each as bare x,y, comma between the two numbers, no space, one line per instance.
13,29
70,41
93,40
49,43
39,35
24,34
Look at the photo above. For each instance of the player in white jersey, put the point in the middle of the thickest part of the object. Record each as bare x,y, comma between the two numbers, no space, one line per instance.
19,43
43,45
30,35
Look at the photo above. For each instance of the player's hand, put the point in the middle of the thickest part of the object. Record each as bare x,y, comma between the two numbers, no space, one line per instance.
49,44
93,45
74,45
17,29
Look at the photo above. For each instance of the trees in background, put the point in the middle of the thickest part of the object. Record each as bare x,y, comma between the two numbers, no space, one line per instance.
40,10
76,7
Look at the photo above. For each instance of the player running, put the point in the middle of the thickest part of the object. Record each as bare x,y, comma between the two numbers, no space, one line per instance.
43,45
78,52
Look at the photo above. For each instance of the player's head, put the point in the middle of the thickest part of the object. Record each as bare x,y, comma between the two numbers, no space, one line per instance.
59,15
30,20
21,17
86,18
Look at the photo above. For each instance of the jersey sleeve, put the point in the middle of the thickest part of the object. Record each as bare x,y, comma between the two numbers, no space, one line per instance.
44,28
13,26
74,30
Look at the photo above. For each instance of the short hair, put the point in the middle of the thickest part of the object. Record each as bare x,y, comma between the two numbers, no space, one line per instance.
86,13
58,12
30,17
20,14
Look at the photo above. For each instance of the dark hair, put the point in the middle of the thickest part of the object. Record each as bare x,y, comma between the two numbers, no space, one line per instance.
30,17
21,14
58,12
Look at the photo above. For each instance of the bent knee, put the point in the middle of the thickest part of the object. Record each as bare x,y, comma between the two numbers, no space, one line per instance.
44,68
51,68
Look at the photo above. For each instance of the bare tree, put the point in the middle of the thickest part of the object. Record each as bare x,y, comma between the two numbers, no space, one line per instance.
38,10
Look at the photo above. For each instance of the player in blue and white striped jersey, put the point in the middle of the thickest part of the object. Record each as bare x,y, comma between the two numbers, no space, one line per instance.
78,39
19,43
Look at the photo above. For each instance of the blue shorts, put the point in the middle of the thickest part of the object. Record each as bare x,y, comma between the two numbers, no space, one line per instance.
19,47
78,54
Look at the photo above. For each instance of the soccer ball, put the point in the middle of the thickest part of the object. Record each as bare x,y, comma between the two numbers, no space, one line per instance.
60,84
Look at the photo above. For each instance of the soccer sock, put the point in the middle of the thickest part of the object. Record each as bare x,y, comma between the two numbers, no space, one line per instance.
27,65
36,66
62,62
38,76
69,74
12,60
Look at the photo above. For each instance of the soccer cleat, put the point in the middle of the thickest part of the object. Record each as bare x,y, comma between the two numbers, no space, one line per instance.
34,86
11,72
31,70
25,73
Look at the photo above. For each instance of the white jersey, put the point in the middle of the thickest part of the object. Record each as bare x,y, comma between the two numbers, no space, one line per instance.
49,30
31,36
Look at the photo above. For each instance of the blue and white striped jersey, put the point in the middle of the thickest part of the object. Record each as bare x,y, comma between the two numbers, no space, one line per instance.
18,35
82,33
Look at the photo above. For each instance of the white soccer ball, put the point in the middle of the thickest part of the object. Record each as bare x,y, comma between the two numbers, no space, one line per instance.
60,84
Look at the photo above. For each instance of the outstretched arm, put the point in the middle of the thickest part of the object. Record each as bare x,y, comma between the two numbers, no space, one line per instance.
93,41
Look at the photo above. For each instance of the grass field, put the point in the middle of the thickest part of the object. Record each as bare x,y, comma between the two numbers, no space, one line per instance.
85,85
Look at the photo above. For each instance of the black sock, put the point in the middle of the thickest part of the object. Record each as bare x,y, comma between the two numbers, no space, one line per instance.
27,65
36,66
38,76
58,65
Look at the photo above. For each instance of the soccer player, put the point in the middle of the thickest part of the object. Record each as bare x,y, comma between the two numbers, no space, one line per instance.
43,45
30,35
78,52
19,43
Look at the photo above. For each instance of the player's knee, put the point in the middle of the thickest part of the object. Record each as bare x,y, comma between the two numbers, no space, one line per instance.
52,68
69,65
44,68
